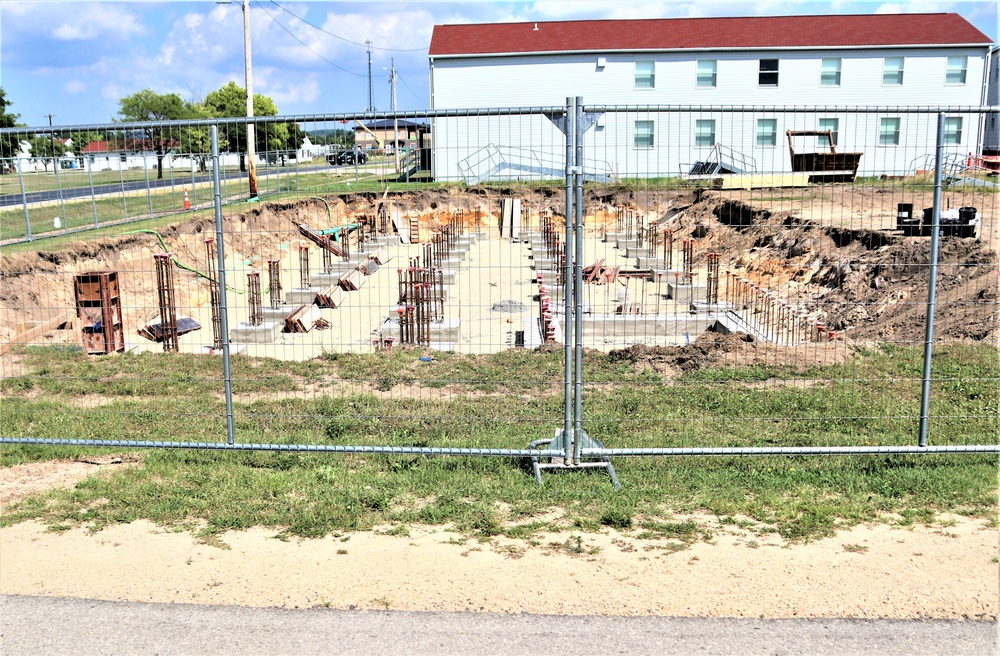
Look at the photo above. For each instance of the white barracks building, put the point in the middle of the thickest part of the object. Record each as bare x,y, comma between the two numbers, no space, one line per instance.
896,60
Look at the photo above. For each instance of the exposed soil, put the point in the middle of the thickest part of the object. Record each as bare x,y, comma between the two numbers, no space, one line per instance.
834,253
948,570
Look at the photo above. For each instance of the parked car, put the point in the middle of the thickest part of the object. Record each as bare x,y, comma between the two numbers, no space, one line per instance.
343,157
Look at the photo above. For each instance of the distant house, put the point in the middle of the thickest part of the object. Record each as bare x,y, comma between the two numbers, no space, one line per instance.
901,60
410,134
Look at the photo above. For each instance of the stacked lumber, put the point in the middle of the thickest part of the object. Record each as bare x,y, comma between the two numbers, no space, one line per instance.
302,319
330,297
321,240
380,255
368,267
352,280
600,274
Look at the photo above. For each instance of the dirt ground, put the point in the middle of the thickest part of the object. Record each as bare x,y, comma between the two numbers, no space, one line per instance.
831,253
948,570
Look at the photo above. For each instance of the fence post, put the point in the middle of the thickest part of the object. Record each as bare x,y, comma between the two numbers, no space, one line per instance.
24,197
578,130
93,194
223,307
62,203
925,392
568,278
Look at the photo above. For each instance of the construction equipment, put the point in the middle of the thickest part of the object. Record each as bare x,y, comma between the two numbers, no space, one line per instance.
823,167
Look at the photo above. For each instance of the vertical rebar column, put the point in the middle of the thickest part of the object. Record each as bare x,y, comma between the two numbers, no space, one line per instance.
712,283
668,249
687,248
253,292
168,307
327,261
305,280
214,293
274,281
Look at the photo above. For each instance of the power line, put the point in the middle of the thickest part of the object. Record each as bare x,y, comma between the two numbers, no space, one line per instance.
407,87
337,36
276,22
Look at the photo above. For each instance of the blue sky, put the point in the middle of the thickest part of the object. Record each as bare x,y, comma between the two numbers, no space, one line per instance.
76,59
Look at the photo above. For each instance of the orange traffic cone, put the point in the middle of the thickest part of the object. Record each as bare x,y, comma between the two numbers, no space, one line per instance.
187,201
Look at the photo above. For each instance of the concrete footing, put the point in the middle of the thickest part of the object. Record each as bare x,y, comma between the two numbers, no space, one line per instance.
441,331
685,293
265,333
297,297
277,314
644,326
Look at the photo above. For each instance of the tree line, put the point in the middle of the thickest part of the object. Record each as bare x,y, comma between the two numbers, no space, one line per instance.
148,106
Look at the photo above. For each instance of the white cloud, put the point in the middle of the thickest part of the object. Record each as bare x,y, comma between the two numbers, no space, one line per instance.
74,87
99,22
283,91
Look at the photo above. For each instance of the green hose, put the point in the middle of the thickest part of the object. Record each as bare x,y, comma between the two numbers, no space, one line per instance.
181,265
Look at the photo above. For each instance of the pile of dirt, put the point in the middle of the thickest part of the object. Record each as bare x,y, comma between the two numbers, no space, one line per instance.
688,357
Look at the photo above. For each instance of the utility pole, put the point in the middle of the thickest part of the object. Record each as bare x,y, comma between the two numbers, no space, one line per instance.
371,94
251,143
52,142
395,121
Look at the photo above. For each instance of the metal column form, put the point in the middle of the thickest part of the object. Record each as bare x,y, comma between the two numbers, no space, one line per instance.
227,372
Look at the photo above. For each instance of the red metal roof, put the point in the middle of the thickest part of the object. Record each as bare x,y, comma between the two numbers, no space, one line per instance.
758,32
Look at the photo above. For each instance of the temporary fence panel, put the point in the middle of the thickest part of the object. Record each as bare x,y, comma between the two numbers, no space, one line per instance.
725,283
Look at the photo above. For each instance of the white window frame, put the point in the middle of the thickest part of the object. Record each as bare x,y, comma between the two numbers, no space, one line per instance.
698,124
761,71
952,130
714,73
836,129
834,71
957,64
895,73
772,133
651,135
651,76
883,122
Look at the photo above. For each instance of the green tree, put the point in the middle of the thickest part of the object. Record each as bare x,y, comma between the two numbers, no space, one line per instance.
230,101
147,105
9,143
46,148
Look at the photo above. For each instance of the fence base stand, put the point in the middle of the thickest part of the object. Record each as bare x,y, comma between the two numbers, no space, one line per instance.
561,464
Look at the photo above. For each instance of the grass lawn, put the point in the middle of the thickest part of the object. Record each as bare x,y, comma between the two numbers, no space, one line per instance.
503,401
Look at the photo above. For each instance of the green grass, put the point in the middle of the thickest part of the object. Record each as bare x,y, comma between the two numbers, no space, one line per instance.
504,401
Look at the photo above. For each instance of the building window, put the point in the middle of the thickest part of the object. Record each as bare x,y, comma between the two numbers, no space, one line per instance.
707,73
958,65
888,133
645,74
830,72
829,125
704,132
768,73
767,131
892,71
953,130
644,134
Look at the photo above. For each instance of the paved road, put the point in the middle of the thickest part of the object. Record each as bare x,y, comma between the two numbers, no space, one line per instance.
12,200
46,625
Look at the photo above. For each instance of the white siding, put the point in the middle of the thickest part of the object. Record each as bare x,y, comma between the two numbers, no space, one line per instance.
533,81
